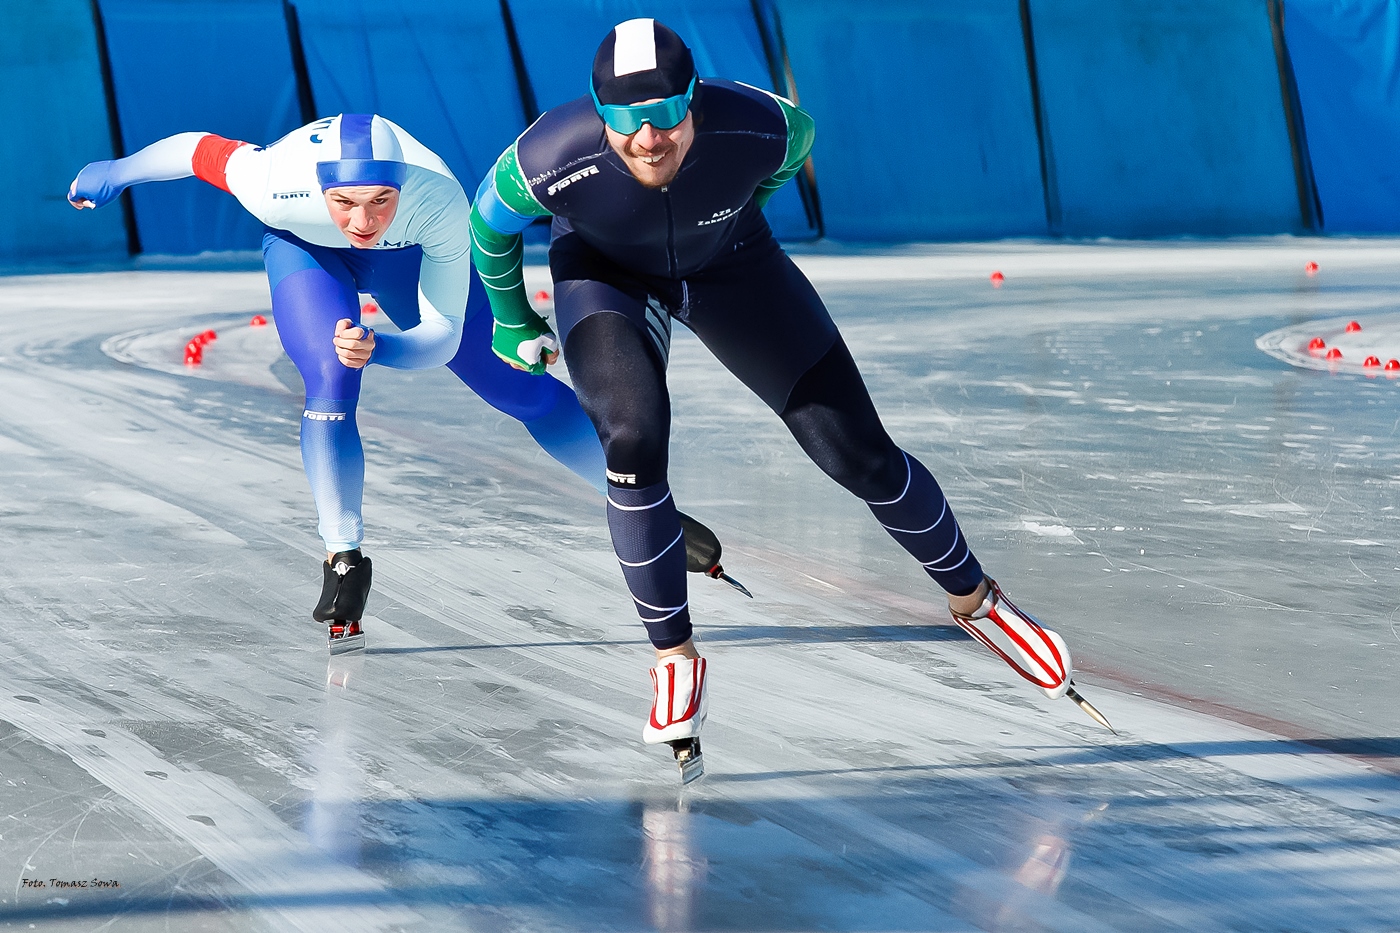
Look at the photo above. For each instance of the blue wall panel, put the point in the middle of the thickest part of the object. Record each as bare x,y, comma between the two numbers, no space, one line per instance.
441,69
925,120
1346,58
558,40
54,112
1164,117
218,66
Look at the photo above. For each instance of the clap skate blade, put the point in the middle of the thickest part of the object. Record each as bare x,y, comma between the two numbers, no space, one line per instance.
717,572
1090,709
688,759
702,551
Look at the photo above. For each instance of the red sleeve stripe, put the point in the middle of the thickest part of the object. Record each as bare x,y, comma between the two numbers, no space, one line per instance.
211,158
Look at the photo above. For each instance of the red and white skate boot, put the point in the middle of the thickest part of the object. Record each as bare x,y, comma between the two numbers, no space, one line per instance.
1033,651
678,712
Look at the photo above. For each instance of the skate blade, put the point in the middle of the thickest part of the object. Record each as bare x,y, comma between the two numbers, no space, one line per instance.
718,573
1089,708
689,759
347,644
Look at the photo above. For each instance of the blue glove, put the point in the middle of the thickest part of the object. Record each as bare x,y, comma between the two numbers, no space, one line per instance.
96,184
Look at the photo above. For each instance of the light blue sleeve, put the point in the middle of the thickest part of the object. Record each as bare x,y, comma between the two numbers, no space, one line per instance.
165,160
495,212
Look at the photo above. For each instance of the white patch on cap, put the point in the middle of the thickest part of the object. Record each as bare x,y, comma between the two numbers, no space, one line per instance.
635,49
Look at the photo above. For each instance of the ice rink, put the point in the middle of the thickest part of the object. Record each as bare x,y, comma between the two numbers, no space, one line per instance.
1211,526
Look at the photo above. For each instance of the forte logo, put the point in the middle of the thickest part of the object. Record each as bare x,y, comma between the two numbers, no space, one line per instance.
563,183
289,195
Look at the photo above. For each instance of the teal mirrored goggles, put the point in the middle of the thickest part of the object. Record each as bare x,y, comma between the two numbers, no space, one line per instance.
628,118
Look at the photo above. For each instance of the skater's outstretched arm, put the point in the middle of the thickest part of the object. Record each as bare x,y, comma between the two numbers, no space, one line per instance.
100,183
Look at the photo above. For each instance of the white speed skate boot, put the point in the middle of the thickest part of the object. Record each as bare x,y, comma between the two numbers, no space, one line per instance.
678,712
1033,651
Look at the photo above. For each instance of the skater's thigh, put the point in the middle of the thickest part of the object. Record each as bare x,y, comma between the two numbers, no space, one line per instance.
833,419
762,319
621,383
312,290
508,390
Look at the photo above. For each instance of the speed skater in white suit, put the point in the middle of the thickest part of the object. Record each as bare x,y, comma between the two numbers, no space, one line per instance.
352,204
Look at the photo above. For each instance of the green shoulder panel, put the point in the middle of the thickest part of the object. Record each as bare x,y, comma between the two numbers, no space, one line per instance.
511,186
802,131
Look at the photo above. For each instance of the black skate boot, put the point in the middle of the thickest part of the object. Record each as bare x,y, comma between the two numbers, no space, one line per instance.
344,590
702,550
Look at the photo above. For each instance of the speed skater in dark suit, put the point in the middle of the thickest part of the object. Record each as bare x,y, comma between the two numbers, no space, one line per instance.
656,181
353,203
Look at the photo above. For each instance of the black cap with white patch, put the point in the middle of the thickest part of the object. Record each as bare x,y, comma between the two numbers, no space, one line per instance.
641,60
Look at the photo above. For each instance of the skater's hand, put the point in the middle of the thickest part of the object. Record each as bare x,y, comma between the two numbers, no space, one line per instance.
529,347
93,187
353,344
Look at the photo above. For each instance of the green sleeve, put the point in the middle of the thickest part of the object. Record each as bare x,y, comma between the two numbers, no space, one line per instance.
801,132
498,256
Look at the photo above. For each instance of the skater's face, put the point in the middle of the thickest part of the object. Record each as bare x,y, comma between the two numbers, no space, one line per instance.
363,213
654,156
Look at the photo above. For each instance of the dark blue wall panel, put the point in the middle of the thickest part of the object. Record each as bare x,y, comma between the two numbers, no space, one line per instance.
1164,117
925,120
220,66
441,69
1346,57
54,112
557,42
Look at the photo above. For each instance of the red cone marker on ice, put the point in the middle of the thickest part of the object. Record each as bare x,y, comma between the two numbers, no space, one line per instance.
997,279
1317,343
541,295
1371,361
1353,327
1310,268
194,353
207,337
1392,365
369,307
258,321
1334,354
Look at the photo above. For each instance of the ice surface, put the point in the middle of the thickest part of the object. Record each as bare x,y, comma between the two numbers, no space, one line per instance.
1211,528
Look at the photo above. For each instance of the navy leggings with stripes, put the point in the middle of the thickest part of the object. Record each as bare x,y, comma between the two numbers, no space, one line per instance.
617,359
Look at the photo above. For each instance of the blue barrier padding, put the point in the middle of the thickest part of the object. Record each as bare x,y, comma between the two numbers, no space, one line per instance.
1164,117
559,37
218,66
55,116
925,120
441,69
1346,58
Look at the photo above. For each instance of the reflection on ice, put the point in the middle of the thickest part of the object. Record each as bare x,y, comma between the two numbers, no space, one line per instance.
675,875
333,819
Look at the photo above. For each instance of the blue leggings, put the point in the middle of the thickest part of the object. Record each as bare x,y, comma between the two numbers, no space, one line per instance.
315,286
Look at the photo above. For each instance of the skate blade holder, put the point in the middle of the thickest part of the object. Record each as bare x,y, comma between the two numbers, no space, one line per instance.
347,643
688,759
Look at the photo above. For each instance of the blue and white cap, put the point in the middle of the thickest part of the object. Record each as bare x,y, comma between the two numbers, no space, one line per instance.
369,154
